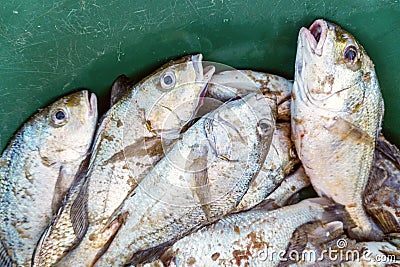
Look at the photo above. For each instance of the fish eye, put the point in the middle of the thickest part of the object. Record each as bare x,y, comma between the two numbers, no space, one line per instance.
264,127
168,80
350,54
59,117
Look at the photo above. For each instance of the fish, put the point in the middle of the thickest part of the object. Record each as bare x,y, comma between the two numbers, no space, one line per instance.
255,237
231,84
381,195
132,137
280,161
36,169
201,179
336,115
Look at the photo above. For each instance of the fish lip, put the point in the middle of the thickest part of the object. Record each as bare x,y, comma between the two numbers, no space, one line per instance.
92,103
315,36
203,75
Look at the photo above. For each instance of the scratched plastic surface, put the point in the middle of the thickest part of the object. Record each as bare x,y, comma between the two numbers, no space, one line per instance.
49,48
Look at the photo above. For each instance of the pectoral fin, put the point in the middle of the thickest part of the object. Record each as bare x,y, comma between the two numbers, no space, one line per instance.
110,230
349,132
67,228
197,164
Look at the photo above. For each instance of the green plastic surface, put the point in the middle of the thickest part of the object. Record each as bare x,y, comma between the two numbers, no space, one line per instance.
49,48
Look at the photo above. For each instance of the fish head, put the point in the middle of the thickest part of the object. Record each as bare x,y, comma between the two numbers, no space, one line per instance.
69,125
239,126
179,88
332,68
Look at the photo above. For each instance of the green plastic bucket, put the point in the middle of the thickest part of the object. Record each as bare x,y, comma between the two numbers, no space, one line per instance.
49,48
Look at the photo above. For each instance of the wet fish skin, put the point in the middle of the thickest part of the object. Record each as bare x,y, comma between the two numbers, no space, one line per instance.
250,235
128,143
230,84
291,185
281,158
279,162
37,168
198,181
119,88
337,110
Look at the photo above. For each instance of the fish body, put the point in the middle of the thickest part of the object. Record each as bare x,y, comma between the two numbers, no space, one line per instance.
279,162
37,168
336,110
281,157
200,180
129,142
252,238
230,84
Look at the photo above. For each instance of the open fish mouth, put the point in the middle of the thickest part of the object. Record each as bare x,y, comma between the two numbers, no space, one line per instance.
203,75
92,99
91,102
315,36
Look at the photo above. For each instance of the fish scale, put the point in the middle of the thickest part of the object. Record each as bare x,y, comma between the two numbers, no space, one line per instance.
257,237
30,171
128,143
164,207
336,116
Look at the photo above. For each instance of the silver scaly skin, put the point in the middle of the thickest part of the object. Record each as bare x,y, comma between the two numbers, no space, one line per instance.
337,110
37,168
279,163
201,179
128,143
257,237
281,157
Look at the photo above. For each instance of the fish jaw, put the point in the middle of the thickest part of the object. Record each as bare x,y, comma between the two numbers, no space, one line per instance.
335,119
178,105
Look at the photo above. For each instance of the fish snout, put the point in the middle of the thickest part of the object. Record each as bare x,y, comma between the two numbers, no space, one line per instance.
316,35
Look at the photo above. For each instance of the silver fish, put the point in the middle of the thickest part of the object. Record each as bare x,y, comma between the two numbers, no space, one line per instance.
232,84
337,110
129,142
253,238
37,168
280,161
200,180
281,157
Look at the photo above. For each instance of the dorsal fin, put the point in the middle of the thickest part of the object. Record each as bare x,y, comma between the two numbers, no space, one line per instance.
120,86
